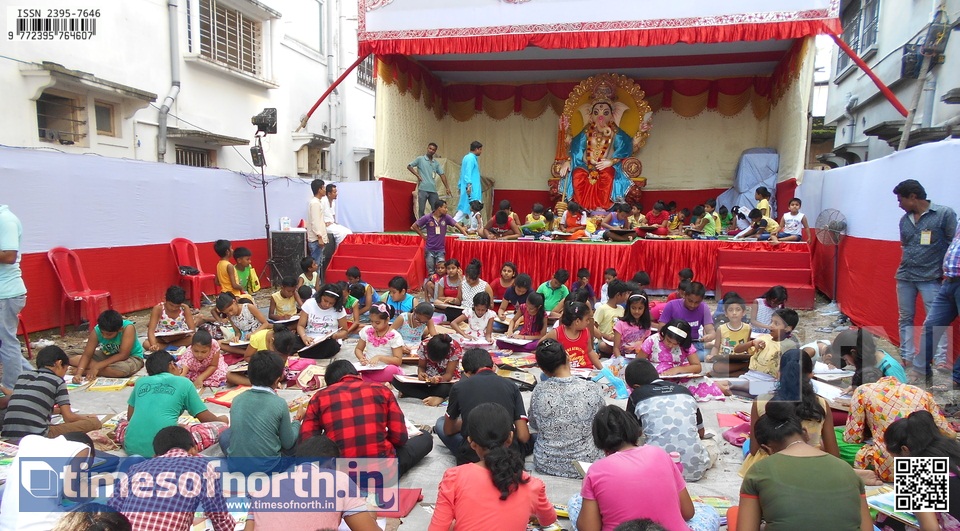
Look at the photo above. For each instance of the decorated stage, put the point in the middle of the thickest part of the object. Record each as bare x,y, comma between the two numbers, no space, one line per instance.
661,259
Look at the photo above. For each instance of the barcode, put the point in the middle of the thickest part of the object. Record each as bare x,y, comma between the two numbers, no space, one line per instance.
56,25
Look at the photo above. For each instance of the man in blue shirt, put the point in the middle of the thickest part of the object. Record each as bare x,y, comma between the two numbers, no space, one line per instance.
13,297
425,167
470,186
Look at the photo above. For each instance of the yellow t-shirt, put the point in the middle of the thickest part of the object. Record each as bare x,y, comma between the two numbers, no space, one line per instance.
764,207
768,359
531,219
605,317
284,306
259,339
731,338
223,278
772,226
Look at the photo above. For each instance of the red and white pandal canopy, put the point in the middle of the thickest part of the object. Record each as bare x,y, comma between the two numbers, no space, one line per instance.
464,50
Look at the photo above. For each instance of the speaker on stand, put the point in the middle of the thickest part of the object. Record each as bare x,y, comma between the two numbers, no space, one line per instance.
287,249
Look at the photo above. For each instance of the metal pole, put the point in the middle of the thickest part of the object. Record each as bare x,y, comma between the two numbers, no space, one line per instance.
908,124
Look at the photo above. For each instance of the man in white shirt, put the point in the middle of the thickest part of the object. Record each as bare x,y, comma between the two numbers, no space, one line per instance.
329,203
318,241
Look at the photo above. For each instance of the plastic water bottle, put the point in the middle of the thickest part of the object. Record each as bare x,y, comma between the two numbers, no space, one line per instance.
676,461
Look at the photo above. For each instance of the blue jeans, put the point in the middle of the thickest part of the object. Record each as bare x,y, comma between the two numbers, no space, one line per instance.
432,257
701,351
907,292
943,310
423,198
316,250
452,442
10,355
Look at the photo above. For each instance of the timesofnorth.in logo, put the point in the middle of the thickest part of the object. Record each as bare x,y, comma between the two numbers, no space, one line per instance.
153,485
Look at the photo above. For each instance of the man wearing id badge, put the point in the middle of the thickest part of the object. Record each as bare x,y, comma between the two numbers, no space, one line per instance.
433,228
926,230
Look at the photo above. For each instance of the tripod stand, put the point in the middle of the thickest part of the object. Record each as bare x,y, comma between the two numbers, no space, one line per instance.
260,161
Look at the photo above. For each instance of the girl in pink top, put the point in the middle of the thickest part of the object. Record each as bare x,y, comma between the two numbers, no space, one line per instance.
646,472
379,344
671,351
495,493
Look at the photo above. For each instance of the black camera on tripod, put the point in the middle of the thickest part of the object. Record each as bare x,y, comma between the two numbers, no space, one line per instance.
266,121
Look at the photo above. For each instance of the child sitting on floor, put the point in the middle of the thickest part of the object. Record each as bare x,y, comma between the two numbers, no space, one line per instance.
246,275
112,349
279,339
536,222
283,303
415,326
533,318
261,419
632,329
672,352
430,283
467,492
438,365
399,300
508,208
474,223
226,272
607,314
685,278
243,316
765,351
202,363
479,319
36,393
583,282
763,227
574,336
310,277
609,274
761,314
171,315
370,295
794,223
379,344
762,195
729,350
574,222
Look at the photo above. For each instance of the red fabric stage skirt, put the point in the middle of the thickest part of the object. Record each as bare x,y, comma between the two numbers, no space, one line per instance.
595,195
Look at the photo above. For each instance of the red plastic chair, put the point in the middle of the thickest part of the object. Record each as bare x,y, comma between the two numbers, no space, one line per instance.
185,254
75,289
22,331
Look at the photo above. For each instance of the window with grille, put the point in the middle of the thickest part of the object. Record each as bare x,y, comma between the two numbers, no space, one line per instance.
860,21
365,73
60,118
188,156
229,37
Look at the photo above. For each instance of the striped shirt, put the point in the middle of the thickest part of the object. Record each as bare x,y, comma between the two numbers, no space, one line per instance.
951,260
31,405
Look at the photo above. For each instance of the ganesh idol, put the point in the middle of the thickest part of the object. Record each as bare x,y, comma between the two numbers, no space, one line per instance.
594,174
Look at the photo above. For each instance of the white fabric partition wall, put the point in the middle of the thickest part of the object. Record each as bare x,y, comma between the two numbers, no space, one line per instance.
87,201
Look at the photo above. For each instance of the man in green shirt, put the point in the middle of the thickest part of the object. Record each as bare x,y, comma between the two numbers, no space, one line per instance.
157,401
424,167
262,417
554,292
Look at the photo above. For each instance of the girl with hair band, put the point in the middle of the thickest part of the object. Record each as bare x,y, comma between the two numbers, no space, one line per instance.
794,387
323,323
832,493
918,436
447,289
630,331
671,350
532,317
438,365
574,336
379,344
496,492
647,472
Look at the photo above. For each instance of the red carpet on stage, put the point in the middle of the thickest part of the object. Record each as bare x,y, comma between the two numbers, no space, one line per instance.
661,259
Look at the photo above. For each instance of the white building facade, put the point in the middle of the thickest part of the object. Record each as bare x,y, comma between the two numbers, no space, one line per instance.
885,34
212,63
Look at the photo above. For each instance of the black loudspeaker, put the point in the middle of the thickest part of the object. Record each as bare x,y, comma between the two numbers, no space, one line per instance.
287,249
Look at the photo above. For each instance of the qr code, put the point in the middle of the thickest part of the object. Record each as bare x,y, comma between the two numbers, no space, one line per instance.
921,484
